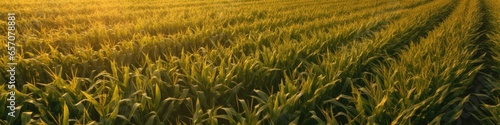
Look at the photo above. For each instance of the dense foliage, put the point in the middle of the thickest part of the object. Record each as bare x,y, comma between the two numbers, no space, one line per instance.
253,62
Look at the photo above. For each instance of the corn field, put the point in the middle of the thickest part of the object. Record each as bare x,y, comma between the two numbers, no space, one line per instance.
250,62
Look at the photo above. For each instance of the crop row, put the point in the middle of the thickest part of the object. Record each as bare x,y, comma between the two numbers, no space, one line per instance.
156,45
427,82
263,67
72,34
491,109
333,76
171,84
113,15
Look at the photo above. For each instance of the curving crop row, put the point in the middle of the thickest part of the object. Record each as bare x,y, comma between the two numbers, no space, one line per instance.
491,109
306,62
426,84
333,76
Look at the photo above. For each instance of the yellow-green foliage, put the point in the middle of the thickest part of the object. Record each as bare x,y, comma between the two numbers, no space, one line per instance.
491,113
249,61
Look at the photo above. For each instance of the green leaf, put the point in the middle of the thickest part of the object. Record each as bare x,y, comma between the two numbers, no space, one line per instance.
65,115
26,117
157,95
94,102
